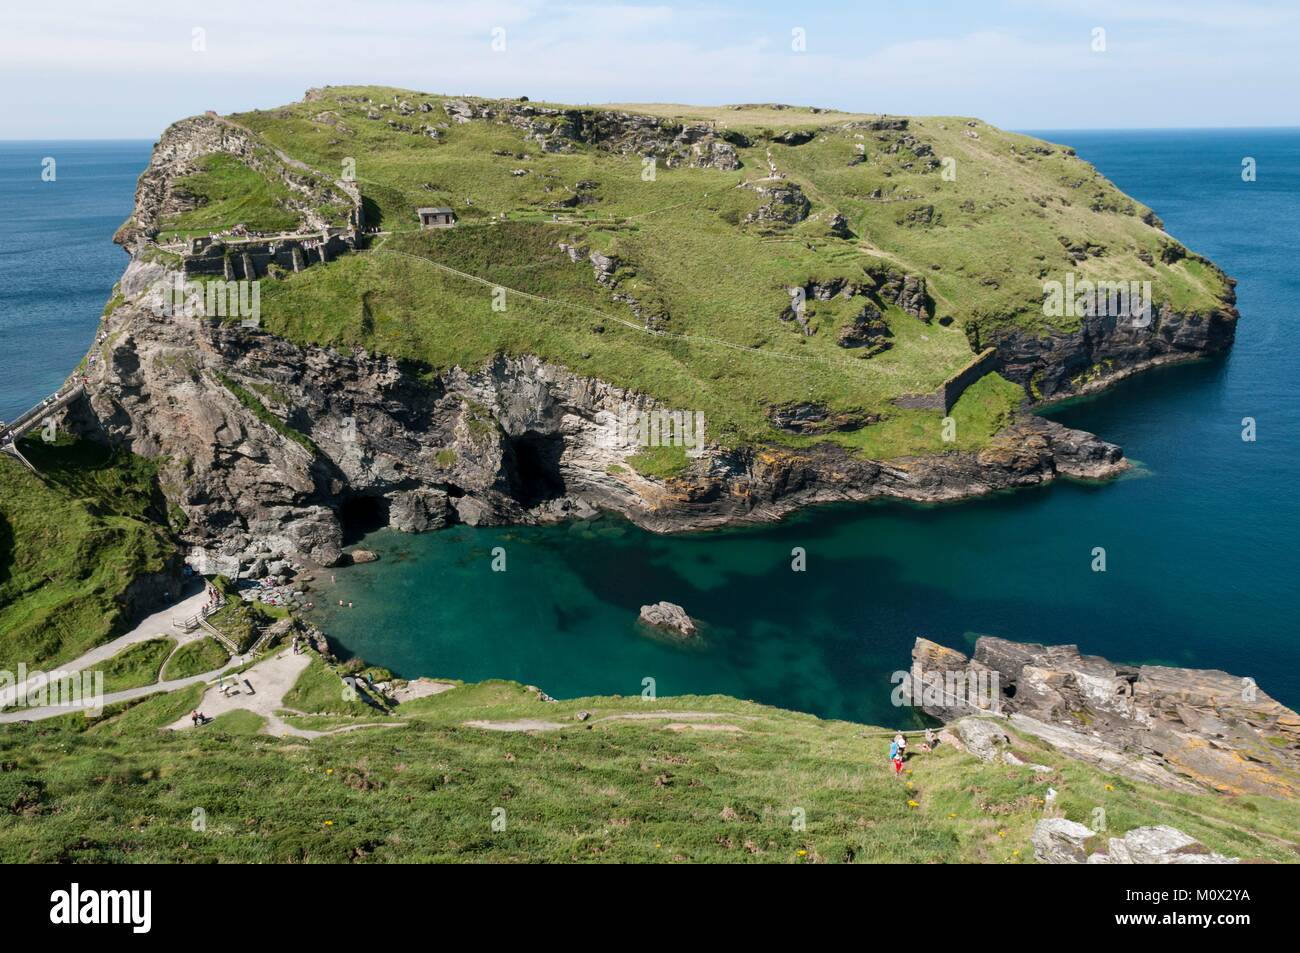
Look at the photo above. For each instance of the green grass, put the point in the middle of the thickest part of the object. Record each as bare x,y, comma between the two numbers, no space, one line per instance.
195,658
660,462
237,722
136,665
320,690
1006,223
598,791
228,192
72,542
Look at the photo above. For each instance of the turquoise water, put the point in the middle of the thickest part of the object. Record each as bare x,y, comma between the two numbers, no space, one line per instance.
1200,541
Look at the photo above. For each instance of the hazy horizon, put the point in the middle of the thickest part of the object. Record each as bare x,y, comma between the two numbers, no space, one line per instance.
87,71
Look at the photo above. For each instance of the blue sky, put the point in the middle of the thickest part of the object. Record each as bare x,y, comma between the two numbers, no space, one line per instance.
90,69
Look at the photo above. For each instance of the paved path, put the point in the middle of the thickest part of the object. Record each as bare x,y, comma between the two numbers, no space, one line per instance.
158,624
271,679
112,698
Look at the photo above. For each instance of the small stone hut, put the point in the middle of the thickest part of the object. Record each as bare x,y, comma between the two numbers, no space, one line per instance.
441,217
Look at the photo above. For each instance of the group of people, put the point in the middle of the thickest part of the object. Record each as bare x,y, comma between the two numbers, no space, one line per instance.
198,718
898,748
214,595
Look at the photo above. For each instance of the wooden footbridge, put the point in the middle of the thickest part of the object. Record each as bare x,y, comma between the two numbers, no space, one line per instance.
12,431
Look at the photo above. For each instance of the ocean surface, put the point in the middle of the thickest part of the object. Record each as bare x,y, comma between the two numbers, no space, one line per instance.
57,260
1200,539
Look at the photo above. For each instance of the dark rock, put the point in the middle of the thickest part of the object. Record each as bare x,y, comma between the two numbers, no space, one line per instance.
795,137
816,418
868,329
782,203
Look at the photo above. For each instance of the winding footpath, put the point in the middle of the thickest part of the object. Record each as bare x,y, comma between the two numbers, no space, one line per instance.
158,625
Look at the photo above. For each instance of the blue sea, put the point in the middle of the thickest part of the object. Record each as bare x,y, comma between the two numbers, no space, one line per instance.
1200,539
57,260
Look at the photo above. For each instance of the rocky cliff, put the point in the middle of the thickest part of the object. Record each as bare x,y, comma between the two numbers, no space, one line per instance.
1185,729
175,155
268,446
1052,364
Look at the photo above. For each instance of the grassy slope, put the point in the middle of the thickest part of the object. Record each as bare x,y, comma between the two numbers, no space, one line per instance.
71,543
601,790
998,232
227,191
195,658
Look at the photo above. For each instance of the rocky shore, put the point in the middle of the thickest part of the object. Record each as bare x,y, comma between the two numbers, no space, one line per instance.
1184,729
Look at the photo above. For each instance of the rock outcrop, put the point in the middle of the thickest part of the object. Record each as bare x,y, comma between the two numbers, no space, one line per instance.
1185,729
159,194
697,145
780,203
1060,841
671,618
1106,348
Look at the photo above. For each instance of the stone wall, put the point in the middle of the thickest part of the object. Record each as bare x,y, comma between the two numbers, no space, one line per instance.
249,260
951,390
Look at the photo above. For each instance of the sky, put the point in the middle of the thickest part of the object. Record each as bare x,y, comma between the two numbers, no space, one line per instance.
127,68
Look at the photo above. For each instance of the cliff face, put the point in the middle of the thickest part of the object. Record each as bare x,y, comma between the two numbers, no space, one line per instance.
183,143
1107,348
269,446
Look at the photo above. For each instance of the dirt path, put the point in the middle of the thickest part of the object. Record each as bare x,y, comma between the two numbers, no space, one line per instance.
271,680
678,721
111,698
519,724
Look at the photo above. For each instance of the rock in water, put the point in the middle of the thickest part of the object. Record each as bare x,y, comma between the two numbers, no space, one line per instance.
670,617
364,556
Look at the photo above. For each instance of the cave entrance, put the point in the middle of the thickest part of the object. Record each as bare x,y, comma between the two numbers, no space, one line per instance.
535,472
359,515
